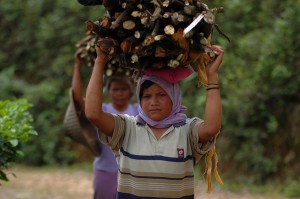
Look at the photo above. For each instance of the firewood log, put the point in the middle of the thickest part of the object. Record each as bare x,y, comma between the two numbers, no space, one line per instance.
140,34
156,14
128,44
107,45
93,27
148,40
121,18
97,29
134,58
129,25
190,10
136,13
169,29
105,22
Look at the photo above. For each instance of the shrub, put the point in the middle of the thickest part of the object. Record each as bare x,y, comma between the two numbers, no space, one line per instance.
15,128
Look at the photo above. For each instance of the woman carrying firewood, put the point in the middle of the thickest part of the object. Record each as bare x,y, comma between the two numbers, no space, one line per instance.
120,90
158,147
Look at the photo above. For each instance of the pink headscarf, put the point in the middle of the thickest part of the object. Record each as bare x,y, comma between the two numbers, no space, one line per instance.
172,89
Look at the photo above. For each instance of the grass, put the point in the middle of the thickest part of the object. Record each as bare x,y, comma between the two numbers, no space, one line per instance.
242,184
65,182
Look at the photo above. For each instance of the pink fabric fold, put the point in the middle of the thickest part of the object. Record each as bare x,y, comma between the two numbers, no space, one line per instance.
172,75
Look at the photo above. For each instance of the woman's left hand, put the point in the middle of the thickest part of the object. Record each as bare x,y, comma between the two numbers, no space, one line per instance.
212,67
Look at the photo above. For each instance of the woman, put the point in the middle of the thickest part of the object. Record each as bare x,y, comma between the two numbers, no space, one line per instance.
158,147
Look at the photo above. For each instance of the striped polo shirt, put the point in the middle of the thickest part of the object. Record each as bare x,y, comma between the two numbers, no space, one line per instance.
151,168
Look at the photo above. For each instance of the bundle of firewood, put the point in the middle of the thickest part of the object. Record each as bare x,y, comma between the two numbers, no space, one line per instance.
86,48
158,34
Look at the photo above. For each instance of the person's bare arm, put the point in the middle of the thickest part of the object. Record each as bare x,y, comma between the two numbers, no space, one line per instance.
213,107
77,86
94,97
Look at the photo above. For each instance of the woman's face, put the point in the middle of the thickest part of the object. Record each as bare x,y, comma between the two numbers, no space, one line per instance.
156,103
119,93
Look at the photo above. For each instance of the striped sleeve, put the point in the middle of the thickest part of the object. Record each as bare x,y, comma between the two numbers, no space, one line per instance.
199,149
115,142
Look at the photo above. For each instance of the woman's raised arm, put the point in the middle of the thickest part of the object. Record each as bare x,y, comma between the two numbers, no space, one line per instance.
94,97
213,107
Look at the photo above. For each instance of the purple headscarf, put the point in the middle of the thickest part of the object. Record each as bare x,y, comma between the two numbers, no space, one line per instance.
173,90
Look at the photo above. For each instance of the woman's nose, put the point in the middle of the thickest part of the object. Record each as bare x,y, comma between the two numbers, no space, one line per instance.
119,92
154,100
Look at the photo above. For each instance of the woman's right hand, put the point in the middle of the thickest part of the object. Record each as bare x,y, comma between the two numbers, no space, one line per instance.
101,55
105,48
77,59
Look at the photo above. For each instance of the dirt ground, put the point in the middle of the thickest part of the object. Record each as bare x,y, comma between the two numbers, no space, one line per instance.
54,183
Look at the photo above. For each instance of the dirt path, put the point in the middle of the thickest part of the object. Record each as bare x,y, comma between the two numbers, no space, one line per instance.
45,183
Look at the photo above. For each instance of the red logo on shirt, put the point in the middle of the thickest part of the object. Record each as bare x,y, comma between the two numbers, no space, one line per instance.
180,152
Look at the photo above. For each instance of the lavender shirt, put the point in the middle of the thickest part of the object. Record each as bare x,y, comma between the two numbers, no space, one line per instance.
107,160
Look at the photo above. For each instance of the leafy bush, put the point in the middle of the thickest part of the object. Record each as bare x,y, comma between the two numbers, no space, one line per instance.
15,128
292,188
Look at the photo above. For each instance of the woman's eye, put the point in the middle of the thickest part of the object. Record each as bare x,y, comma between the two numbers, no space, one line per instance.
146,96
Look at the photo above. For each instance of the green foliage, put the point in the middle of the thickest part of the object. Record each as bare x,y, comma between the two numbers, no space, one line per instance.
261,90
292,188
36,55
15,128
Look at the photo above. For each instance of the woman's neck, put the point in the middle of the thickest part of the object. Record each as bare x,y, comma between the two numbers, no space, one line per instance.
158,132
120,108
